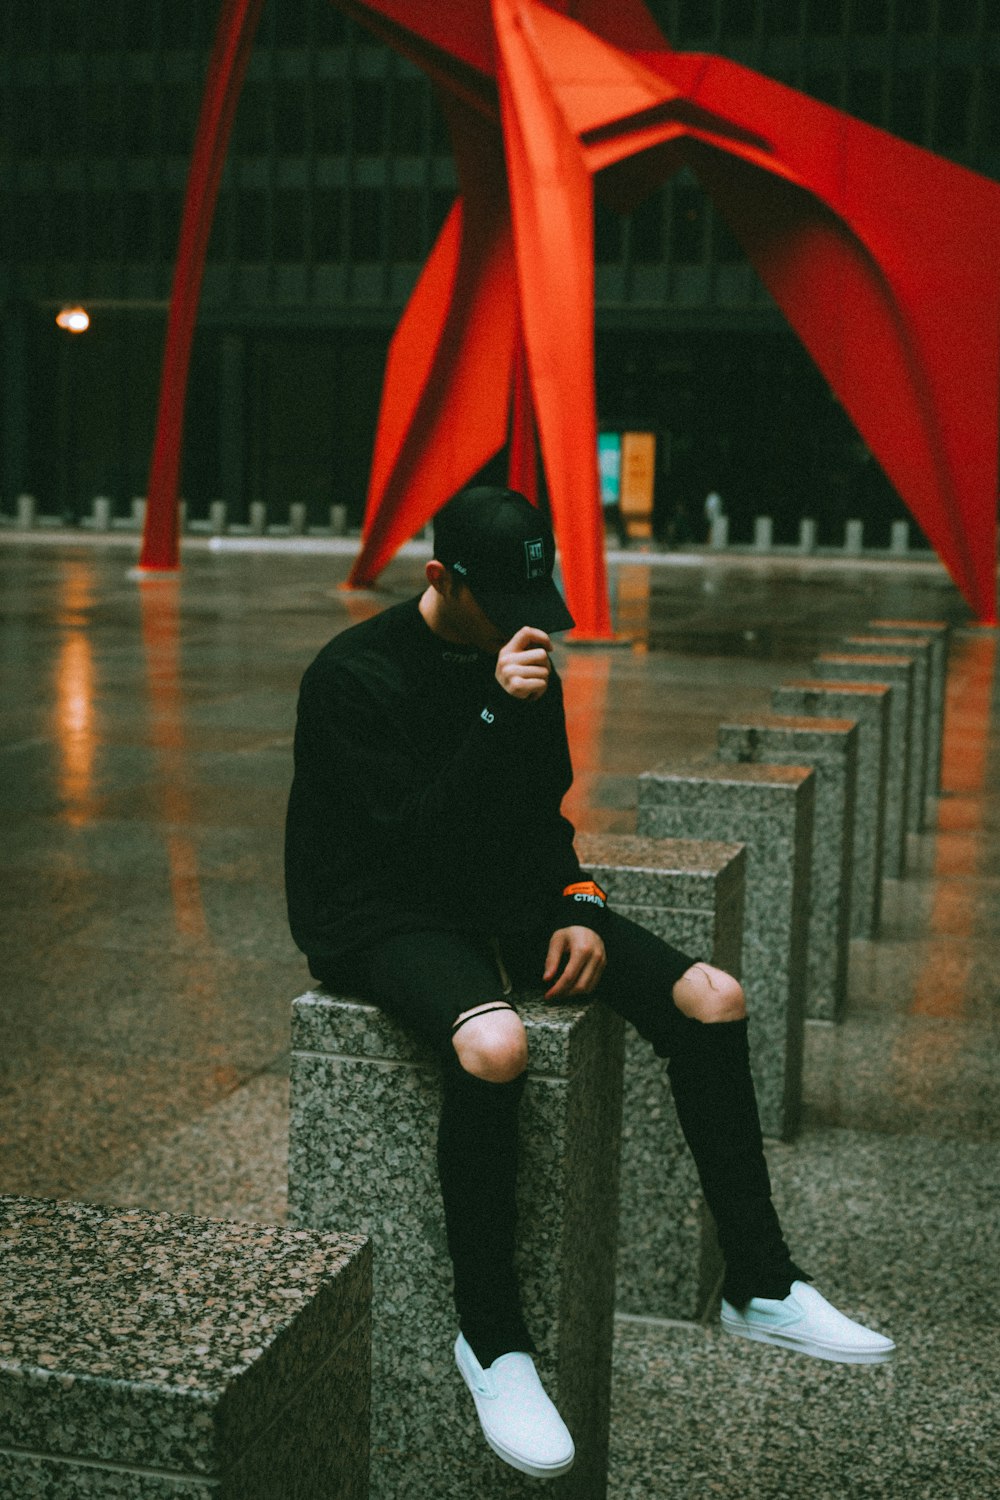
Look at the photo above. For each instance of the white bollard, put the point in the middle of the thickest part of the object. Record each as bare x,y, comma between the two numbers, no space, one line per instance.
258,517
807,535
763,533
854,537
102,513
719,537
297,518
139,511
217,517
27,510
338,520
899,539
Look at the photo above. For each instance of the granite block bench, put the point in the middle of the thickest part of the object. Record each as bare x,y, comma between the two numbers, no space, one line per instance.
365,1101
769,809
915,648
145,1356
867,705
691,893
830,747
938,633
895,672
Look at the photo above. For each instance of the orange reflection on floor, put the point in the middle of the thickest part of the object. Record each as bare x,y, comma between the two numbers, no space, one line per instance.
631,601
76,735
159,598
965,768
585,673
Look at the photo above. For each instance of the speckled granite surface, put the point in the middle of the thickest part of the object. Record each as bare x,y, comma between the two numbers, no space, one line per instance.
938,634
830,747
364,1112
915,648
897,673
770,810
867,705
184,1351
690,893
125,1065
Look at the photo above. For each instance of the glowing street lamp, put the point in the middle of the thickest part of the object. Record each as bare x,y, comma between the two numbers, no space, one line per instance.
73,319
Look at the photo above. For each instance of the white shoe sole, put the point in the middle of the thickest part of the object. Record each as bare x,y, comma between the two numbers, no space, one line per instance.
535,1471
835,1353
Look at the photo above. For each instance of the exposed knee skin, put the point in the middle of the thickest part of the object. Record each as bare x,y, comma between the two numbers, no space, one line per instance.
707,994
493,1046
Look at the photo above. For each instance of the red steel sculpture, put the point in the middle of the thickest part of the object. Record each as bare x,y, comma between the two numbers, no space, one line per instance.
883,257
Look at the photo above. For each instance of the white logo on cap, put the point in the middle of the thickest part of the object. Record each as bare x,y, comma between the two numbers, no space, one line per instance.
534,558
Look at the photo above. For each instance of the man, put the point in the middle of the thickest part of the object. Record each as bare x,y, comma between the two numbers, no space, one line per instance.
429,870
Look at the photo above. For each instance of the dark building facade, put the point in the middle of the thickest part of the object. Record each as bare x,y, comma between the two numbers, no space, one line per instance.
338,178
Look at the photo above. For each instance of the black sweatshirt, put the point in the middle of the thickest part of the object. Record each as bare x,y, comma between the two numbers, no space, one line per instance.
424,796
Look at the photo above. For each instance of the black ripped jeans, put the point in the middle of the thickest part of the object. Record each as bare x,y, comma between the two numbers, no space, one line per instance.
425,980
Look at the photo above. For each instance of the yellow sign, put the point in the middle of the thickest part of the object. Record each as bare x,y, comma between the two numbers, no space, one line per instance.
637,479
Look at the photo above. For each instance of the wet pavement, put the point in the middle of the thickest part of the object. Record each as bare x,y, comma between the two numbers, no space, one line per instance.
147,969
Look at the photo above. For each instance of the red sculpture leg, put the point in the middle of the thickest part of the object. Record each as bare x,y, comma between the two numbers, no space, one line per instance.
552,208
889,274
227,68
882,256
446,395
522,455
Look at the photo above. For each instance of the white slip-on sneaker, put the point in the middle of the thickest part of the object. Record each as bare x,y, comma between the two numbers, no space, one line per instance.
518,1420
805,1322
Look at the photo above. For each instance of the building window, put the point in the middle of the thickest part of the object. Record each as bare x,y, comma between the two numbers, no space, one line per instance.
607,234
409,117
406,224
958,17
328,224
330,115
252,133
251,226
728,250
178,117
951,128
823,84
290,117
65,225
695,19
869,17
366,227
289,225
783,17
647,230
168,223
687,226
864,96
369,116
912,17
738,17
825,17
909,105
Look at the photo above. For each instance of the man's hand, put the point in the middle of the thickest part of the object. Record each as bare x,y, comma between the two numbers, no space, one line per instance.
581,952
523,666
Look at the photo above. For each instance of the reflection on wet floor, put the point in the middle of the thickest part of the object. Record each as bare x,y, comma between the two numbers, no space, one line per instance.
146,758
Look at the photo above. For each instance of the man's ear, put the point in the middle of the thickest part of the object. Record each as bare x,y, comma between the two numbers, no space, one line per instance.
438,577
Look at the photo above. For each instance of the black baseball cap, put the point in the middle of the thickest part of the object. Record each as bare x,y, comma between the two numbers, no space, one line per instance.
502,547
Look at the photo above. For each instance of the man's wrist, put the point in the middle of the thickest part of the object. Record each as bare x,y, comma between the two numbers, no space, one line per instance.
582,904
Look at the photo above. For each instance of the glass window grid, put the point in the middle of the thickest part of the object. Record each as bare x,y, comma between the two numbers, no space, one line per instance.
337,157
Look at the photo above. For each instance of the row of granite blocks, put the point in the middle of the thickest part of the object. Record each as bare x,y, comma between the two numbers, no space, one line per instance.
148,1355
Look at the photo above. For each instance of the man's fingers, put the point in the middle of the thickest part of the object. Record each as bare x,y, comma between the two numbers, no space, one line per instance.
528,636
557,946
566,983
585,963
